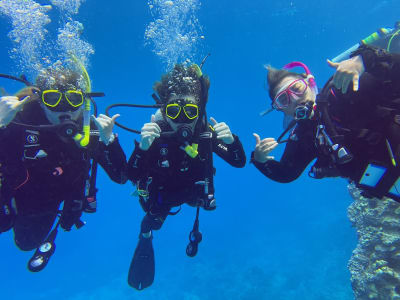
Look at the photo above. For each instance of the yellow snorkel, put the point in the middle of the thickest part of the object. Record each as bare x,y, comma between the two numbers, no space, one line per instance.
84,139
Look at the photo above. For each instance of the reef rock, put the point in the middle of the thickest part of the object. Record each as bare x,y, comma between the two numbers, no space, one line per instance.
375,263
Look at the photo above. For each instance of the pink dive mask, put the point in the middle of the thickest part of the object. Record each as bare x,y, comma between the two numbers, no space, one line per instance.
295,89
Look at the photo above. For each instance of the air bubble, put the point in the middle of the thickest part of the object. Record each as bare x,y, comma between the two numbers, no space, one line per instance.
175,32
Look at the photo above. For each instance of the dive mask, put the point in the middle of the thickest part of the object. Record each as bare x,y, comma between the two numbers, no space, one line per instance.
60,101
181,111
295,89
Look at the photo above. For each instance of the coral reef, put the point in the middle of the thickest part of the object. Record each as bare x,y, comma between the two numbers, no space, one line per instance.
375,263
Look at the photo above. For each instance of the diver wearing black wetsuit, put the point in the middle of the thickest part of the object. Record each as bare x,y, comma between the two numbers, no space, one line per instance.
40,170
364,119
174,175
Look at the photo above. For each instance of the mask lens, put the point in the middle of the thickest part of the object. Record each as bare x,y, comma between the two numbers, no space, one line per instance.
51,97
281,101
298,87
172,111
75,98
191,111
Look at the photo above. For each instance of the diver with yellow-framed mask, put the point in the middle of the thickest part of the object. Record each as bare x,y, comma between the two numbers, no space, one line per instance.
172,164
49,156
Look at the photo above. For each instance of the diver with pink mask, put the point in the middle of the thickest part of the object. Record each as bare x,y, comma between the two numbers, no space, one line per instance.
352,133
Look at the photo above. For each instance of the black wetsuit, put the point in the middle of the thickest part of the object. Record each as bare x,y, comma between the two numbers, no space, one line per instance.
40,170
173,174
365,118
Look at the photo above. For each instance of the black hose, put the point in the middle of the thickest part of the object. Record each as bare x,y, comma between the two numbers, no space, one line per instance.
108,108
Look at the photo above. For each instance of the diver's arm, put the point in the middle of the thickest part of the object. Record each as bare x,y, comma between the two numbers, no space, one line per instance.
292,164
113,160
9,107
137,163
232,153
380,63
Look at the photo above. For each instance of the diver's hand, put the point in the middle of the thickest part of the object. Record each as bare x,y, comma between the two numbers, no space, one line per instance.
150,131
9,107
105,126
223,132
263,148
347,71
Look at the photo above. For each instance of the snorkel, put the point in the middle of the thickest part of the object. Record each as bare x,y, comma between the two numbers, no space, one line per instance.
83,140
310,77
192,150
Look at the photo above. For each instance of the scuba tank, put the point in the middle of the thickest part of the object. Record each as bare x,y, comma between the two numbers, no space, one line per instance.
382,38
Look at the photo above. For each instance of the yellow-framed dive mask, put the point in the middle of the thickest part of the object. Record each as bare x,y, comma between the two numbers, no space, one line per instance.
174,111
52,99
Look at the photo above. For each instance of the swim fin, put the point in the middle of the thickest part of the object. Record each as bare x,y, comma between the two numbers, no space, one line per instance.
142,269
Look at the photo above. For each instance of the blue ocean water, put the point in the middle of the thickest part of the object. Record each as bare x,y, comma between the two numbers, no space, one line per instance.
266,240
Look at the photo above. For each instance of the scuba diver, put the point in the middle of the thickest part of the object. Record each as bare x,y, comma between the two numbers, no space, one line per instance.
172,164
45,159
353,133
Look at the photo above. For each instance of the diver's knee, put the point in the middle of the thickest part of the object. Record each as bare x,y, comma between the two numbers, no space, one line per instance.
26,244
151,222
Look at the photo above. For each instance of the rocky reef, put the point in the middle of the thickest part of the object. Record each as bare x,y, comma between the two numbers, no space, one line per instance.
375,263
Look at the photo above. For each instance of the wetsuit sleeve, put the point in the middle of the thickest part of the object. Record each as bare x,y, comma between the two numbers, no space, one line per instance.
292,164
113,160
378,62
137,163
231,153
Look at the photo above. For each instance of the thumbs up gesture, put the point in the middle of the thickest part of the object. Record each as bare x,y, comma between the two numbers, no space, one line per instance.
9,107
223,132
150,131
263,148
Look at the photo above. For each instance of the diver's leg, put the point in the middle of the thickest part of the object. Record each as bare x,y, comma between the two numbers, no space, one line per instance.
36,213
142,268
30,231
152,221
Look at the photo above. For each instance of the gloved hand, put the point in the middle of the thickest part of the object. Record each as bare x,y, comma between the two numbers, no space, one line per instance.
9,107
105,126
347,71
223,132
263,148
150,131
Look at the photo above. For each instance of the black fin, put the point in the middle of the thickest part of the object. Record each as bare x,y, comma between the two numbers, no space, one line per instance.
142,268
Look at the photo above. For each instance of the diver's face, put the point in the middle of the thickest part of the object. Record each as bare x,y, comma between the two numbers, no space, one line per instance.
175,123
297,96
55,118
